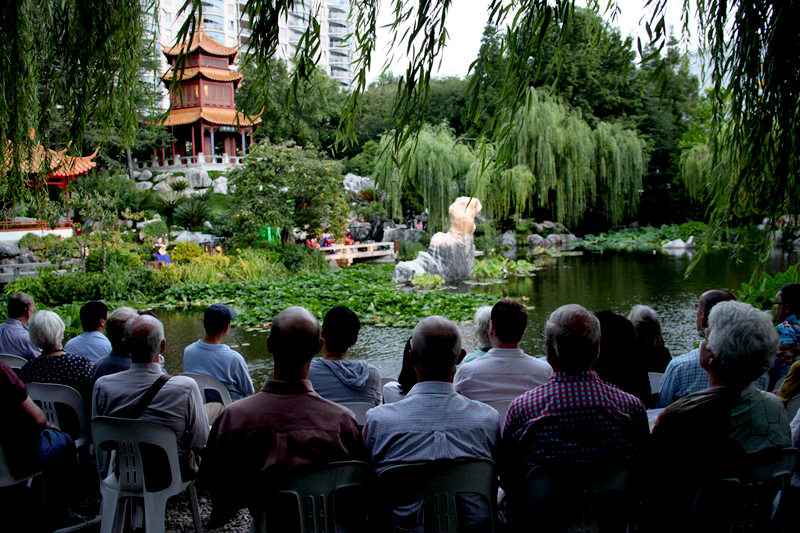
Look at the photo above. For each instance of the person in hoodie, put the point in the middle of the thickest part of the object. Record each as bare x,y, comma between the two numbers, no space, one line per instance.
334,376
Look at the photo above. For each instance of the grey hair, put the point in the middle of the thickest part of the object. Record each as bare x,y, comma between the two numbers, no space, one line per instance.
643,313
483,318
574,334
143,335
743,341
115,325
46,329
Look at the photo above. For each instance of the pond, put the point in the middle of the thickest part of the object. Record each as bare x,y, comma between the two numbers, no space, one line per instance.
610,280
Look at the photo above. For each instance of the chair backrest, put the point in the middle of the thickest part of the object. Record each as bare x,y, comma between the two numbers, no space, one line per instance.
359,409
209,383
574,498
49,395
655,381
7,479
384,381
125,437
13,361
315,494
438,483
792,406
502,407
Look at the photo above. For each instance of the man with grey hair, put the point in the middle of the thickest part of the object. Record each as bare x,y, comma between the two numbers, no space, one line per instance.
14,337
575,417
119,359
706,435
174,401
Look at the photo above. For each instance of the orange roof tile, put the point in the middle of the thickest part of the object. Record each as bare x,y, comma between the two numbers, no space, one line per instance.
214,115
58,163
203,42
75,166
215,74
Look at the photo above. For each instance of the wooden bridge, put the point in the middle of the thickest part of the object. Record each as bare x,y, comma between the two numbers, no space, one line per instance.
344,254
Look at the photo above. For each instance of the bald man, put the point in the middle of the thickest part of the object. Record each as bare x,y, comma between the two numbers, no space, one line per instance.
260,440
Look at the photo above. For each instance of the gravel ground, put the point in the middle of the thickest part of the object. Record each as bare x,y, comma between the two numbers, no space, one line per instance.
179,516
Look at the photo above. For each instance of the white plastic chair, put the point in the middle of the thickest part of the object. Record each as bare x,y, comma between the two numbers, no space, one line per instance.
128,482
48,395
7,479
655,381
13,361
207,382
792,407
359,409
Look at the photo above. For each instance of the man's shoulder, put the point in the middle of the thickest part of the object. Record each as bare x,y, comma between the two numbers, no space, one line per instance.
687,360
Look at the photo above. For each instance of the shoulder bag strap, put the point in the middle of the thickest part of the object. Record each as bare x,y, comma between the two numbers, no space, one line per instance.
145,400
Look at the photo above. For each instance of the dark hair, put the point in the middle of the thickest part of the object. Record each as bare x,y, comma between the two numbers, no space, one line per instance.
408,376
91,315
215,321
18,304
509,318
790,294
711,298
340,329
616,347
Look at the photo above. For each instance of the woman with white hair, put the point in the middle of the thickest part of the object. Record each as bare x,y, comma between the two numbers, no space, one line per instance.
483,317
649,343
55,365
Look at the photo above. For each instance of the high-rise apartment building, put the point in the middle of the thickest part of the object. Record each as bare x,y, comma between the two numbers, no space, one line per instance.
227,22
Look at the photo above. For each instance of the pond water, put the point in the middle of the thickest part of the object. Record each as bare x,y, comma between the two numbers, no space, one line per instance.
611,280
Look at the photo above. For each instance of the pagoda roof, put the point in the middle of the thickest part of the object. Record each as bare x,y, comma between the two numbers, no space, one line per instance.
215,74
214,115
58,163
203,42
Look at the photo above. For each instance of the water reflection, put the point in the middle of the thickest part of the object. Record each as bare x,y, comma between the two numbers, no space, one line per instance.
615,281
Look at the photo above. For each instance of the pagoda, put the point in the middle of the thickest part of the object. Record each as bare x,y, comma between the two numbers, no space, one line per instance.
203,113
59,167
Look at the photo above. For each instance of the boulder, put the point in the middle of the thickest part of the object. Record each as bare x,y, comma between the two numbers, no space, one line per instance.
508,239
690,243
144,175
356,184
207,225
193,236
25,258
676,244
405,271
198,178
162,186
143,223
144,185
8,249
220,185
536,241
158,178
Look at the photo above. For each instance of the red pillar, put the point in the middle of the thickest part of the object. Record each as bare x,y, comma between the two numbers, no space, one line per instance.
174,150
194,152
202,140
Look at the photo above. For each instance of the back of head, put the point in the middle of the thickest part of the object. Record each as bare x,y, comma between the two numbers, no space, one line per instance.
509,318
647,326
91,315
790,298
408,376
435,347
616,346
711,298
483,317
743,342
574,336
216,318
294,338
143,336
115,327
46,330
340,329
18,304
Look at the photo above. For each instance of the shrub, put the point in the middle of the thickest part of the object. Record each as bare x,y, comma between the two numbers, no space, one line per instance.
252,264
62,251
407,251
179,185
121,258
155,229
687,229
485,238
192,213
32,241
302,258
185,252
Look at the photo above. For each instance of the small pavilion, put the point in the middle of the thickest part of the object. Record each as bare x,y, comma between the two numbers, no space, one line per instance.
203,118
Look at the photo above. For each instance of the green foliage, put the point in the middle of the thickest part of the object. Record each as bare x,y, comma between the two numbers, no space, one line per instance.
31,240
427,281
363,164
430,167
645,238
408,251
61,251
121,258
689,229
286,186
761,294
155,229
192,213
185,251
302,258
178,185
501,268
485,238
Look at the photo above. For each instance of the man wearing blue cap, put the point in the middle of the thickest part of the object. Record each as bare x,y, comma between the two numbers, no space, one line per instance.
210,357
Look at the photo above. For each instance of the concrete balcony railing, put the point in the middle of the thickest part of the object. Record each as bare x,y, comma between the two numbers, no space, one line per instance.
209,162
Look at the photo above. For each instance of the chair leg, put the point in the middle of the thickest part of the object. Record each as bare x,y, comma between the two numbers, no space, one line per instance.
112,512
195,508
155,509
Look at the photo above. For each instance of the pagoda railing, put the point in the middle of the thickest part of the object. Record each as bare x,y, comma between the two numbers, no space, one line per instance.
207,161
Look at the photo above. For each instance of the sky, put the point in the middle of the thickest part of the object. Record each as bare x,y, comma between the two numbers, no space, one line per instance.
467,18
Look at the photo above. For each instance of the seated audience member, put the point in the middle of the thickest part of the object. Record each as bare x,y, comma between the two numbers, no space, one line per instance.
334,376
257,442
787,309
649,343
119,359
433,421
505,371
92,343
617,363
176,403
210,357
14,336
575,417
55,365
704,435
683,374
483,317
394,391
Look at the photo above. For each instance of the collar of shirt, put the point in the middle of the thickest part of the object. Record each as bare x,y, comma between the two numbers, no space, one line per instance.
112,353
583,375
152,368
432,387
299,386
16,323
95,334
506,352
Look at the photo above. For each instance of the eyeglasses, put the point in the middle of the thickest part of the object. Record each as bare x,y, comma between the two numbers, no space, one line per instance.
703,332
542,335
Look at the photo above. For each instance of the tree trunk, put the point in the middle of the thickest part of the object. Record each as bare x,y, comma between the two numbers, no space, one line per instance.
129,156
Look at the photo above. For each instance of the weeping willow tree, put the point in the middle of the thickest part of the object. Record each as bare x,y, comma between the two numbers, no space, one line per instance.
696,171
432,165
560,163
